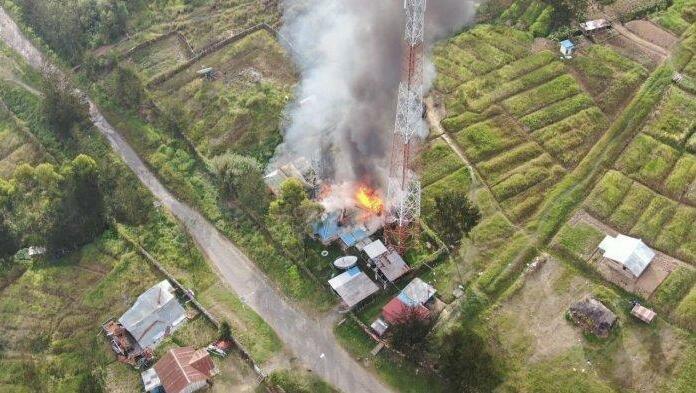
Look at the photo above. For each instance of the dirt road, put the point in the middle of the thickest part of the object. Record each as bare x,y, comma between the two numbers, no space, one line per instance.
310,339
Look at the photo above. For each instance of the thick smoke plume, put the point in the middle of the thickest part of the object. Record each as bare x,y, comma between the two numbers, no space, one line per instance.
349,54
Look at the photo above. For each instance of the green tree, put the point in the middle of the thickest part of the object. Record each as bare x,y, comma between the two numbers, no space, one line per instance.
128,201
294,206
79,215
225,331
61,107
9,243
242,180
291,214
465,361
454,215
409,331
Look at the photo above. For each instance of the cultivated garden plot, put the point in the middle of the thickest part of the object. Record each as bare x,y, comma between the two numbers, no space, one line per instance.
673,121
160,56
16,146
240,108
609,77
674,18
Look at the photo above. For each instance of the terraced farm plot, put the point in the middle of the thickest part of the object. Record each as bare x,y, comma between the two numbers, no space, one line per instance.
532,15
633,208
674,121
160,56
437,161
609,77
523,123
240,109
673,18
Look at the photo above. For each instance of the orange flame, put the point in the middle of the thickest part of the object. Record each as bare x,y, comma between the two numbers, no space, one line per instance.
368,199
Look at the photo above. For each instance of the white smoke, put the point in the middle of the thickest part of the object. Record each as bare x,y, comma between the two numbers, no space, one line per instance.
349,54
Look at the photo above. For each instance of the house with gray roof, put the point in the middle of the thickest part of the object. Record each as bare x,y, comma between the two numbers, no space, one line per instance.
155,315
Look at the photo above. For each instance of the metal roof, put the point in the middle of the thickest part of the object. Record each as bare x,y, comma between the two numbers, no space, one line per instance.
643,313
156,314
353,286
629,252
185,369
392,265
568,44
394,311
375,249
327,230
417,292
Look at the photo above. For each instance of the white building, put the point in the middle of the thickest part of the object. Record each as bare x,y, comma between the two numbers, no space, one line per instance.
628,253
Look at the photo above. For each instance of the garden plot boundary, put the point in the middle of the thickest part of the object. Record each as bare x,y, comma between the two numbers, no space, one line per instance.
212,48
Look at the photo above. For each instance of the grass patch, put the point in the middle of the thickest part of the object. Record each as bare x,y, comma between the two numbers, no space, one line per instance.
394,370
580,240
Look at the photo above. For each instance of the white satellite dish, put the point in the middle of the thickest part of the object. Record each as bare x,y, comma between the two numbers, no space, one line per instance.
346,262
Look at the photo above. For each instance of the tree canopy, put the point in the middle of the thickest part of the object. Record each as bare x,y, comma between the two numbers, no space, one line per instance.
454,215
242,179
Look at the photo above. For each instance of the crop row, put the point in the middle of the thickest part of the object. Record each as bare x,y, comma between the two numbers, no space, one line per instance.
661,167
569,139
437,161
531,100
674,121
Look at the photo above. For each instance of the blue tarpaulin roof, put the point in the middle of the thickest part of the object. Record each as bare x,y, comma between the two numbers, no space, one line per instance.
568,44
353,236
328,229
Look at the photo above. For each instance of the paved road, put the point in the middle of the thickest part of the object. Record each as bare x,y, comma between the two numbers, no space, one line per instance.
310,339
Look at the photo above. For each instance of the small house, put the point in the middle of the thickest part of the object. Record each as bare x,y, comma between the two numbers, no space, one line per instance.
155,315
412,300
567,48
593,317
183,370
353,286
643,313
389,263
397,310
627,254
594,26
299,169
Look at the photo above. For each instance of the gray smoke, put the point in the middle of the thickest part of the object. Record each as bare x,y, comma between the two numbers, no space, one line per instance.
349,54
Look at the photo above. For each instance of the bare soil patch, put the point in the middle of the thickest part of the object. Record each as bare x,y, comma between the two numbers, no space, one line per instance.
652,33
633,51
533,320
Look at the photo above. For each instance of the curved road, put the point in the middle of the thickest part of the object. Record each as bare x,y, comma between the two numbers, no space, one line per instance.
310,339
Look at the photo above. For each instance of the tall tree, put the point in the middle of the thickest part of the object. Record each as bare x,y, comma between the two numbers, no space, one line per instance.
291,214
242,180
79,216
61,107
409,332
455,215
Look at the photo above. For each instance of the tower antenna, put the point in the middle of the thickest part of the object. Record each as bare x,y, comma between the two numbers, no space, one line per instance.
404,187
